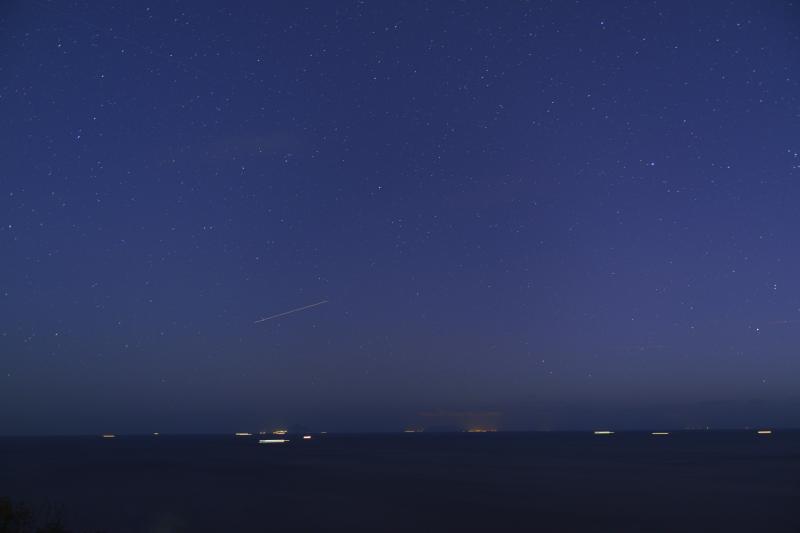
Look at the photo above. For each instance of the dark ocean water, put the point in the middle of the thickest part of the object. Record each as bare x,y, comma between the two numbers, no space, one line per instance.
687,481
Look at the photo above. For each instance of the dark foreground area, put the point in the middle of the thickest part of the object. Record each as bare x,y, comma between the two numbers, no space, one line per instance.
687,481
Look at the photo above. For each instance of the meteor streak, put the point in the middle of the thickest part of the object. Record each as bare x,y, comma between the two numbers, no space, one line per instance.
291,311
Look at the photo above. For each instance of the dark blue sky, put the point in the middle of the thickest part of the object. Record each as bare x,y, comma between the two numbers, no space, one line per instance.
526,215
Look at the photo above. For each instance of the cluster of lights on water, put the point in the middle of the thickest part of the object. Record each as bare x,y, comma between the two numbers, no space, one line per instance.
282,432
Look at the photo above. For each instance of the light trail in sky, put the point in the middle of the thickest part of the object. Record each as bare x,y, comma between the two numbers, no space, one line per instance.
290,311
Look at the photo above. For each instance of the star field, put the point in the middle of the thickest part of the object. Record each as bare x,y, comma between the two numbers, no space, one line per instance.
568,214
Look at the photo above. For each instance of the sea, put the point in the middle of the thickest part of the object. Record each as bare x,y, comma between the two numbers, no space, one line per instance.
727,481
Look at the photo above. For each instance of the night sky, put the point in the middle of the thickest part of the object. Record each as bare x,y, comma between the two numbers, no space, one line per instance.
522,215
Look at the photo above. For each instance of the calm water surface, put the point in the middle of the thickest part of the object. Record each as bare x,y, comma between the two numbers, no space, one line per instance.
687,481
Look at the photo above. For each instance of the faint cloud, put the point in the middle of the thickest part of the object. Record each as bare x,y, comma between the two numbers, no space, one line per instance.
784,322
282,144
641,347
459,414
